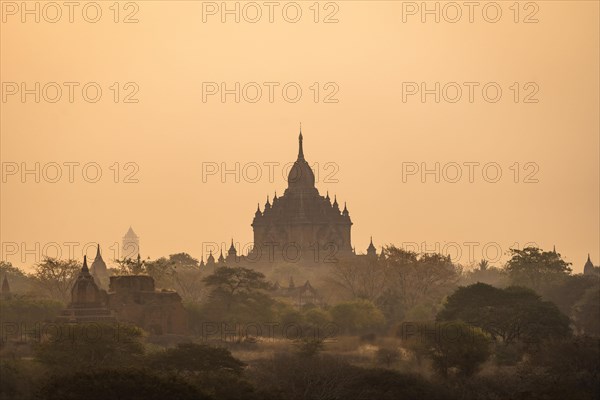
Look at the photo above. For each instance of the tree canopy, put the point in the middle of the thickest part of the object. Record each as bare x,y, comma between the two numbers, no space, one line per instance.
514,313
533,266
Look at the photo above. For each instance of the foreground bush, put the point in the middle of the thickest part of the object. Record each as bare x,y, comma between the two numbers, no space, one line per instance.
93,345
117,384
324,377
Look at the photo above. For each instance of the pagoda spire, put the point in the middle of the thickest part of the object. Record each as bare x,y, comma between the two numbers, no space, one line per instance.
300,150
371,251
85,267
98,255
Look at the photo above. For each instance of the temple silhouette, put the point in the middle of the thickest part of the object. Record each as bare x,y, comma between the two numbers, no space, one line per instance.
301,226
129,298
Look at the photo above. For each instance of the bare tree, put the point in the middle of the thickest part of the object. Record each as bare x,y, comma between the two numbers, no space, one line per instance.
365,279
417,278
188,283
55,277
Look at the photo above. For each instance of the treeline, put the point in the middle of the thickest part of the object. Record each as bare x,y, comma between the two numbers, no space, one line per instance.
398,325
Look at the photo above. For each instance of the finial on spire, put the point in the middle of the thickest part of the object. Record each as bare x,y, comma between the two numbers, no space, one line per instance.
300,150
371,251
85,267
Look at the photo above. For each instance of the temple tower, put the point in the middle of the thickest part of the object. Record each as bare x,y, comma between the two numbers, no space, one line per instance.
301,225
99,270
130,244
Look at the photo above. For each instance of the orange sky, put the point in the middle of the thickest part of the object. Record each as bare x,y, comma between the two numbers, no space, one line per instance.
368,137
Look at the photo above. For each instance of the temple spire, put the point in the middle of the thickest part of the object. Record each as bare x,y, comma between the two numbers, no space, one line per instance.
232,251
98,255
85,267
371,251
300,150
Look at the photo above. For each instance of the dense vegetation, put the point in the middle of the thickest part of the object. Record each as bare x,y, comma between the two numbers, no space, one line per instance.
402,325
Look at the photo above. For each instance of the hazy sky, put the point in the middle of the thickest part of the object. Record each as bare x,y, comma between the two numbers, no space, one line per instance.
364,121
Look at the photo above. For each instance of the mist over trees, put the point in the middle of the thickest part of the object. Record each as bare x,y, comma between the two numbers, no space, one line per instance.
398,325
